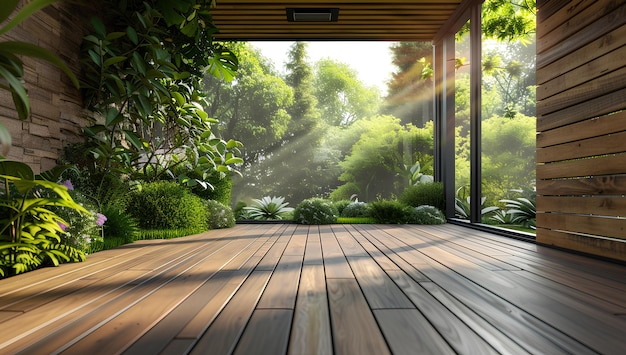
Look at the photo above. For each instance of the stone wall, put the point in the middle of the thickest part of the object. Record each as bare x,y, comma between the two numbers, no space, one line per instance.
56,105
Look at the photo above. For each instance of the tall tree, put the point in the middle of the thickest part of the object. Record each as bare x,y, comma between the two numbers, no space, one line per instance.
410,88
342,97
293,163
254,106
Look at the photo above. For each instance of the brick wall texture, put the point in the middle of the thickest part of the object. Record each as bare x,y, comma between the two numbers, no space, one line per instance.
57,113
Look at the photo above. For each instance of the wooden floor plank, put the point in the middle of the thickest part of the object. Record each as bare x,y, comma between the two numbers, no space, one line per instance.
537,336
335,263
223,334
283,286
408,332
120,332
376,285
355,330
293,289
350,247
297,243
311,333
463,329
313,251
267,333
65,337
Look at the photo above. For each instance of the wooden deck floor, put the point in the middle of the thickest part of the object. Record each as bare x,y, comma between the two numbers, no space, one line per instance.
342,289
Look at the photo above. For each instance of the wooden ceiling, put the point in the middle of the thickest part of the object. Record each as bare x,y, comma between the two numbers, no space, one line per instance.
395,20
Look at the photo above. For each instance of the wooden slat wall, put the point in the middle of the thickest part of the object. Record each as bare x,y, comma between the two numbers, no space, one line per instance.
581,126
393,20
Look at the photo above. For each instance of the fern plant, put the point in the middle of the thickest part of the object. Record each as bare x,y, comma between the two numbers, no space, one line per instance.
268,208
29,230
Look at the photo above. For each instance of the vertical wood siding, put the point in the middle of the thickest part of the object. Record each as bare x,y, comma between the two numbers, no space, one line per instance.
56,105
581,126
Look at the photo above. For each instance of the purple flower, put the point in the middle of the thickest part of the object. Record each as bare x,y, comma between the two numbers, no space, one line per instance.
63,226
68,184
100,219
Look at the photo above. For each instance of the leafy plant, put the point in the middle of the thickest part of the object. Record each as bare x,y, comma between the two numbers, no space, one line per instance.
220,215
120,225
390,211
12,67
167,205
415,175
82,229
341,205
356,209
29,229
424,194
143,75
268,208
462,206
315,211
523,211
426,215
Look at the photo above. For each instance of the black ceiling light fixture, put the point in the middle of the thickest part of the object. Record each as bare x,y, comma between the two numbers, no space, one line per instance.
312,15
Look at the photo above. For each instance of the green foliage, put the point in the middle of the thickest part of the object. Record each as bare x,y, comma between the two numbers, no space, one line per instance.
167,205
345,191
509,20
239,211
410,88
11,65
376,162
356,209
340,205
119,225
462,206
426,215
315,211
390,211
208,186
522,210
416,176
29,230
143,75
220,215
424,194
508,155
82,229
268,208
342,98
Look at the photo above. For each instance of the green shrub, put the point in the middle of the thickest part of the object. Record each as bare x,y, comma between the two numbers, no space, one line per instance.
345,191
315,211
167,205
390,211
222,186
340,205
220,215
356,209
426,215
430,194
119,225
